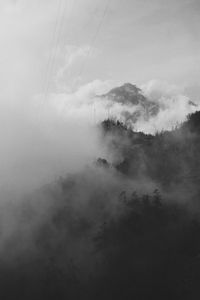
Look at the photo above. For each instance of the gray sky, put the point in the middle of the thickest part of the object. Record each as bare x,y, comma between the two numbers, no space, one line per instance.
56,54
138,40
73,42
141,40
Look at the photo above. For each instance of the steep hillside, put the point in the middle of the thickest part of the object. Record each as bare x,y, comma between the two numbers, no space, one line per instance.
122,229
169,158
136,105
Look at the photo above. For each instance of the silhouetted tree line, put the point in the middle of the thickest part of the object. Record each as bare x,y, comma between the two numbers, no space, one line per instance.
150,252
110,245
168,158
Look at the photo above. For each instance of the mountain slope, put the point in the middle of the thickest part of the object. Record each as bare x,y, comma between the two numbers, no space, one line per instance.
135,104
169,158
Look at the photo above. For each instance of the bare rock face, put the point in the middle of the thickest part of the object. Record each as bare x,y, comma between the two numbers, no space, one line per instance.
126,94
130,95
136,104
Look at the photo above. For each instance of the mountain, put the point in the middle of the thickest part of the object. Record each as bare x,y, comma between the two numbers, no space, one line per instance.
127,94
136,104
131,96
124,229
169,158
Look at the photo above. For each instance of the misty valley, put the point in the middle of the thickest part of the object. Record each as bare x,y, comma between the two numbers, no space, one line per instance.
126,229
99,150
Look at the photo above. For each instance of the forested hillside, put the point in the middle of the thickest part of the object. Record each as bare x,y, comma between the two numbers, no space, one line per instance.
169,158
122,229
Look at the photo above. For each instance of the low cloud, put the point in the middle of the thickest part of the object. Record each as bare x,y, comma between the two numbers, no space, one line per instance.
175,105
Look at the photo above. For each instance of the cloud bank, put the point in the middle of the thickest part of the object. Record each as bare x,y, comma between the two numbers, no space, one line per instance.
48,119
174,105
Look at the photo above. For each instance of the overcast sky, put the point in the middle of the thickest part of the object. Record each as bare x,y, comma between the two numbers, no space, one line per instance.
55,54
67,43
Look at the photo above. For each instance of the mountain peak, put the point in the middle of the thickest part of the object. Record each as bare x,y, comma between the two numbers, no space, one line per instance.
130,87
126,88
126,94
130,96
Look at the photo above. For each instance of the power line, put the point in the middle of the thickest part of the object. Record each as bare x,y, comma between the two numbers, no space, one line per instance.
70,11
94,38
57,35
49,63
92,43
55,43
60,30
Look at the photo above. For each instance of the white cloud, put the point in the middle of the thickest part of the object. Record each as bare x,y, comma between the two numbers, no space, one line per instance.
73,60
37,148
158,90
175,106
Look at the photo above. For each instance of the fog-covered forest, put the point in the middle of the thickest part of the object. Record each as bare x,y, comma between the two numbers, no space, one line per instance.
99,150
122,230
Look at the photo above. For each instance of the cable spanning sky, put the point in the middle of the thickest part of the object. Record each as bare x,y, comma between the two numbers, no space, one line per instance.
56,55
67,43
